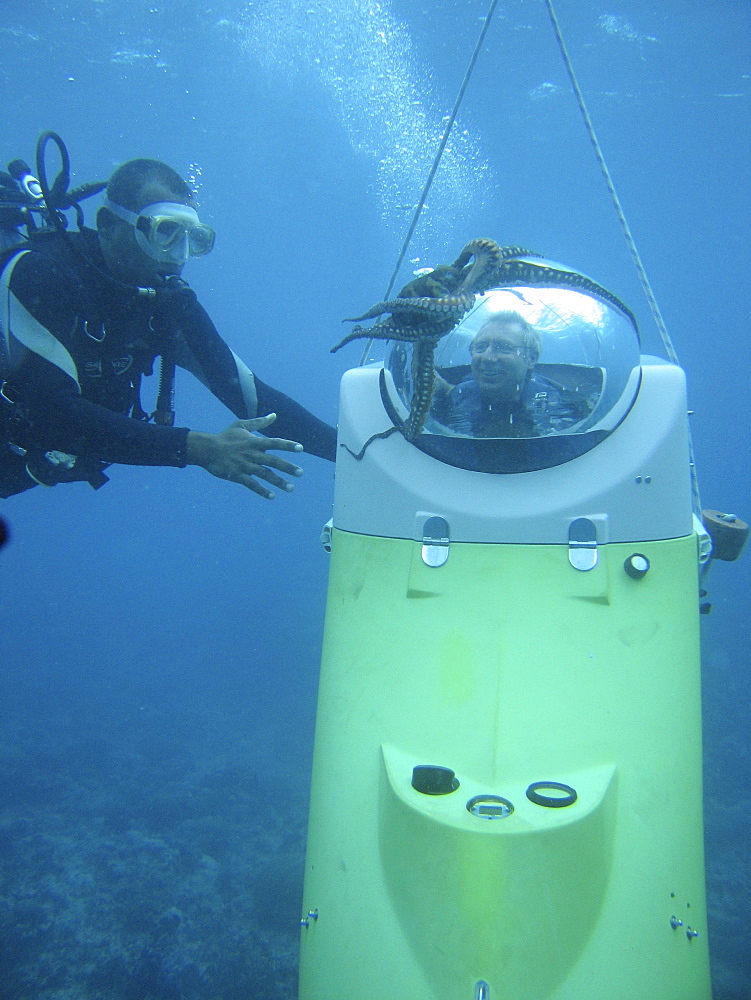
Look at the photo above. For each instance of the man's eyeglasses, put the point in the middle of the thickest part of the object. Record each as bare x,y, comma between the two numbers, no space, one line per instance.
504,348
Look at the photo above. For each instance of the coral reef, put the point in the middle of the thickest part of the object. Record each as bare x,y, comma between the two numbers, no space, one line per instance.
130,878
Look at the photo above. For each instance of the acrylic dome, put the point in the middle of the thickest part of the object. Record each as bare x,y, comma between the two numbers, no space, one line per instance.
531,377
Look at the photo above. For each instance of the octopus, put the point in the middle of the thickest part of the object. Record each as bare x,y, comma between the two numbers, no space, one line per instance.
432,305
424,319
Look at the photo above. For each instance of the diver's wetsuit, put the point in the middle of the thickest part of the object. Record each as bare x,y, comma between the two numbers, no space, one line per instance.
79,345
541,409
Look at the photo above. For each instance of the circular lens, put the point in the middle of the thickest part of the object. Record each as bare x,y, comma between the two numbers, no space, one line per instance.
164,232
201,240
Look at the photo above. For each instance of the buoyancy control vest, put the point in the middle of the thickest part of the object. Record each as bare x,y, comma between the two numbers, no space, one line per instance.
105,360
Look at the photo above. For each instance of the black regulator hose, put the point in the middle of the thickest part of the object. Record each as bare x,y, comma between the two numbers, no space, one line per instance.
58,198
54,197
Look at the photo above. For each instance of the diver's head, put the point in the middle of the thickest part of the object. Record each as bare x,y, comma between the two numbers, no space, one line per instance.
148,225
503,353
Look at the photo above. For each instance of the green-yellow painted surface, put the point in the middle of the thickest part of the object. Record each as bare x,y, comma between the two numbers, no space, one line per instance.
508,666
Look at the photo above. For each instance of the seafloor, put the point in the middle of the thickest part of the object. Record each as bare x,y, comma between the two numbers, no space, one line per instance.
161,865
144,874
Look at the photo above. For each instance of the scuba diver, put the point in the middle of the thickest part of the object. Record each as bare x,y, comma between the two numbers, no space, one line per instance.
83,317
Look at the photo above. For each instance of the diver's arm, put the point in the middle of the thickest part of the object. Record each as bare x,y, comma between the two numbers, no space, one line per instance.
204,353
59,418
254,396
42,313
293,420
200,350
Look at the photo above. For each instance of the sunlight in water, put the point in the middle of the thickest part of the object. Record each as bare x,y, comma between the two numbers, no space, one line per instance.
384,98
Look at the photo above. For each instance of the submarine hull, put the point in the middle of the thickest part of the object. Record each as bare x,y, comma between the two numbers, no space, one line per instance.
564,859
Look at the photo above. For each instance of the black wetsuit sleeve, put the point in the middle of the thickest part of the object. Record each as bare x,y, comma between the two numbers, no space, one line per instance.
210,359
61,419
296,423
219,370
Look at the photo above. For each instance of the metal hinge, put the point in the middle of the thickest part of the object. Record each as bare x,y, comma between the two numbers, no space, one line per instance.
435,541
582,544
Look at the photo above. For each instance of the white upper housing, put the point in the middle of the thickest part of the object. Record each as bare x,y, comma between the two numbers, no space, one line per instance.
633,486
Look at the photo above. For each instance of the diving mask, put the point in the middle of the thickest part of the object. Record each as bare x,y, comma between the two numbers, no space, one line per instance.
167,231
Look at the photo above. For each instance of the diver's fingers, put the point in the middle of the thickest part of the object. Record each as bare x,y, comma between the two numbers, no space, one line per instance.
251,484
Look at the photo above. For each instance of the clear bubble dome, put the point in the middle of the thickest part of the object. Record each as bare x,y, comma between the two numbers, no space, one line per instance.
526,364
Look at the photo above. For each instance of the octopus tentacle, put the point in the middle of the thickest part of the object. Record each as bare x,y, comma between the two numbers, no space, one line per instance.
381,331
526,272
489,258
422,396
508,253
423,321
486,252
422,308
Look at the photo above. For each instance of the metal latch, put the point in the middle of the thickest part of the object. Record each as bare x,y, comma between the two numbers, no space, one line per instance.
582,544
435,541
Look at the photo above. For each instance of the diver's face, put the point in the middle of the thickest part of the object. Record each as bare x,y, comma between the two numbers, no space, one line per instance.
500,360
125,259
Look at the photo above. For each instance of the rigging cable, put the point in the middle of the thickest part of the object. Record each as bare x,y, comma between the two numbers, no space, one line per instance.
656,314
437,159
611,188
640,270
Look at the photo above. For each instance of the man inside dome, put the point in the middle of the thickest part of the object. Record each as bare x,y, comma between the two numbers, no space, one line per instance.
504,397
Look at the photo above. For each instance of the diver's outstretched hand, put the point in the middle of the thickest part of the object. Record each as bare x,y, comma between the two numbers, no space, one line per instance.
239,455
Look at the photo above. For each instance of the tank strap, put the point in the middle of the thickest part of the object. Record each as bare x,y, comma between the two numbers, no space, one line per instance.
18,323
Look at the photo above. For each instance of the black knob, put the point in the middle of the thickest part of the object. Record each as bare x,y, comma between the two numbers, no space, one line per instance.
636,566
431,779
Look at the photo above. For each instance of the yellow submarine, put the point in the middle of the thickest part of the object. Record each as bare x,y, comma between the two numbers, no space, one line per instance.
506,799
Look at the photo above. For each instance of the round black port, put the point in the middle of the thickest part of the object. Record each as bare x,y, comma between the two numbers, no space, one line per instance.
563,795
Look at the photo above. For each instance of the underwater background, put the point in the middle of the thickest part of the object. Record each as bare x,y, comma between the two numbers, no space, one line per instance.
161,637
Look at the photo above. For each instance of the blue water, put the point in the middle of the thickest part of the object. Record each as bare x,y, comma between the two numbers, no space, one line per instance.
160,638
